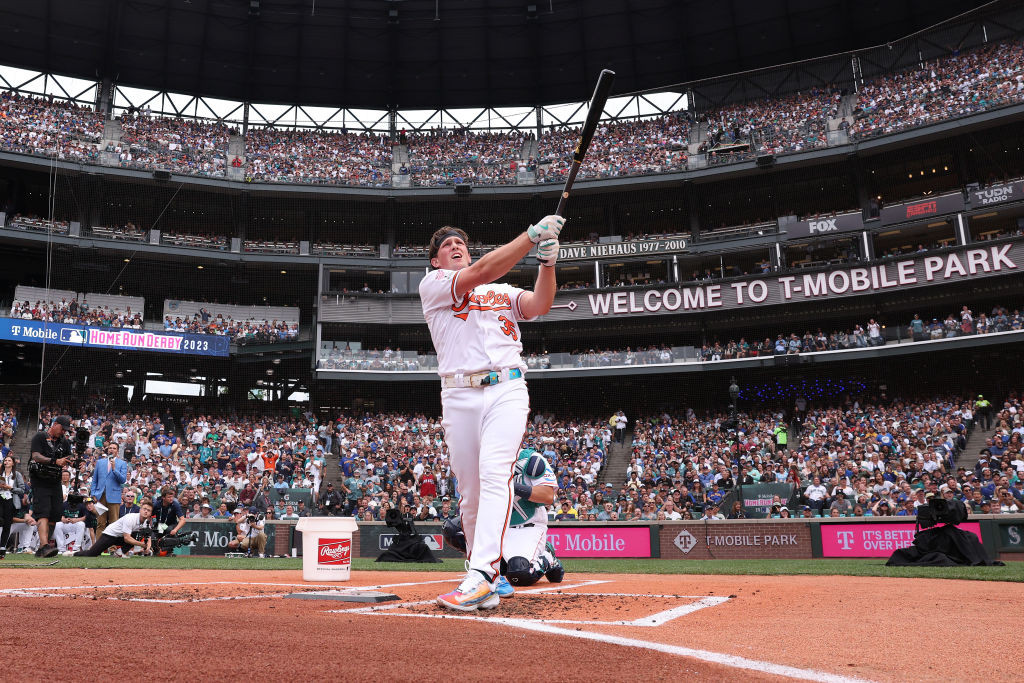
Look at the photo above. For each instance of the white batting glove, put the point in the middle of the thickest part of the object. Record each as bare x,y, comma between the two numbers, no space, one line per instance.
547,228
547,252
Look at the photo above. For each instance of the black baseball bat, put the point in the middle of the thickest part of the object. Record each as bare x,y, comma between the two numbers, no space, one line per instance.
597,101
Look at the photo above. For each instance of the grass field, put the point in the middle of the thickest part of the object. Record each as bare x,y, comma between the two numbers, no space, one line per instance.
1011,572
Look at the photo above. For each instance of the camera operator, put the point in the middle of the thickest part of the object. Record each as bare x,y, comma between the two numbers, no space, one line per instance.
249,527
168,517
120,532
51,452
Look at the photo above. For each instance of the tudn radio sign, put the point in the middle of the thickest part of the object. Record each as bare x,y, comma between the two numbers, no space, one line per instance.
334,551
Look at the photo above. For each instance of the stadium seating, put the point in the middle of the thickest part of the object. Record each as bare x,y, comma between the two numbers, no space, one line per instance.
317,157
950,87
49,127
35,223
188,146
37,303
245,324
127,232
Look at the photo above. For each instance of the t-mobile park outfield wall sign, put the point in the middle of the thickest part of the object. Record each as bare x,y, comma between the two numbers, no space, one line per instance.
39,332
957,266
872,540
569,541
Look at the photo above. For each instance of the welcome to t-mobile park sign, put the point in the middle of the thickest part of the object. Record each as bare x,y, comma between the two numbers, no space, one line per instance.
961,265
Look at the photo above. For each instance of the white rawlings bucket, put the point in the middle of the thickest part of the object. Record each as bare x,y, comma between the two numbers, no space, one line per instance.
326,547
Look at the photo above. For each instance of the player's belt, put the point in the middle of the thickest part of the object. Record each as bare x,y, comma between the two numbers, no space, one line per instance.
480,379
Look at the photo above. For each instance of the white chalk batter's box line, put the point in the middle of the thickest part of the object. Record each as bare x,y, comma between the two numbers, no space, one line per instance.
557,627
61,591
649,621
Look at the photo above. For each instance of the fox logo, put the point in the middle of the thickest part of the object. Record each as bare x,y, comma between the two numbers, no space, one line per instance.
827,225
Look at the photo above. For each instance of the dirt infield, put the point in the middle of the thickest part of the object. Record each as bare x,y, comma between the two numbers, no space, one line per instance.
215,624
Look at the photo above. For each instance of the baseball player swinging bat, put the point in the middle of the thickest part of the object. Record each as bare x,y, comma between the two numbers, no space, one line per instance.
597,102
474,326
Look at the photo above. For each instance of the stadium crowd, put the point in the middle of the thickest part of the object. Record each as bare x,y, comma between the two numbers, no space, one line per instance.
47,126
953,86
619,148
773,125
76,312
956,85
451,157
854,459
871,334
386,359
317,157
79,312
190,146
870,457
241,331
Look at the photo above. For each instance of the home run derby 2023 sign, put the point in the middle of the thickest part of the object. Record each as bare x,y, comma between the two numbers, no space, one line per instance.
959,265
40,332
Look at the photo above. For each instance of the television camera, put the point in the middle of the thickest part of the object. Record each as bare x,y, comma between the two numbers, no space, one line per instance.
941,511
165,543
403,524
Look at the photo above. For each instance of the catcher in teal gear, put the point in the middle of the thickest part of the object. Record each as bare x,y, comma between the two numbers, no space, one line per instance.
526,554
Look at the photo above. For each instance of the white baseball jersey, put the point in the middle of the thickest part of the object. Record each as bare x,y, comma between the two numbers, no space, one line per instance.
124,525
478,332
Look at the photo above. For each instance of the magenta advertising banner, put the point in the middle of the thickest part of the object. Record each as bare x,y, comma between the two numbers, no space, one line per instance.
601,541
872,540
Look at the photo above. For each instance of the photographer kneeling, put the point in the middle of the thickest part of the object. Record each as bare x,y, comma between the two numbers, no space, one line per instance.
168,517
120,532
249,525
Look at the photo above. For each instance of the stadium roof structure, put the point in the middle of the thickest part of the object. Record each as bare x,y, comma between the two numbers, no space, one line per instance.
434,54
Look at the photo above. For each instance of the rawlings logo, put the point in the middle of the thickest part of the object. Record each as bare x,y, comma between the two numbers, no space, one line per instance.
334,551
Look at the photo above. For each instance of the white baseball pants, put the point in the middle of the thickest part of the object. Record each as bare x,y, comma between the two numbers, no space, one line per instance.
69,536
28,536
483,428
526,541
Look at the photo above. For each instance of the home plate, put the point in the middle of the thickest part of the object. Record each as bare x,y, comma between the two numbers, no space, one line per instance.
345,596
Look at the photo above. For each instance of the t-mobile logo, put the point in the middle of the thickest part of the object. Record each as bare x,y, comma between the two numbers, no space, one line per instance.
845,540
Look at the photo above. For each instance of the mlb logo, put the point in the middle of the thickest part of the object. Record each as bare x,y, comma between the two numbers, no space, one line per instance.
72,336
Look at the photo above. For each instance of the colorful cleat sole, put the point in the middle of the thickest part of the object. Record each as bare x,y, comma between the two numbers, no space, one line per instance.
480,599
503,588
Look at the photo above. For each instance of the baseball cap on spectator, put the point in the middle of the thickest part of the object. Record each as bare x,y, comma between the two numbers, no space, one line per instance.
253,510
206,505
